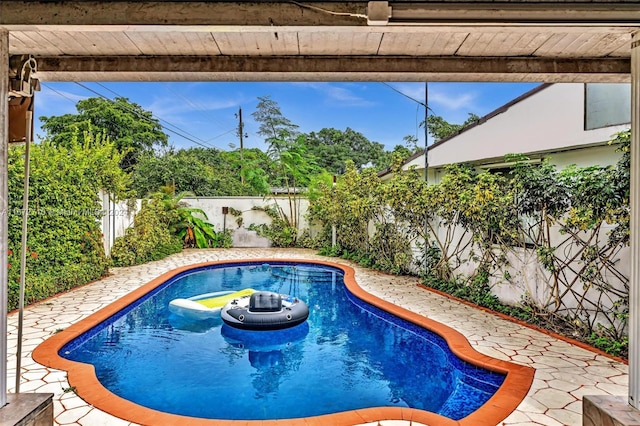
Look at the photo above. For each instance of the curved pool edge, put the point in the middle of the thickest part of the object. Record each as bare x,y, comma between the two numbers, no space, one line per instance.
82,378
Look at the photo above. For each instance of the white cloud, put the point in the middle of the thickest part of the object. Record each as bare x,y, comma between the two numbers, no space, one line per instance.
181,108
339,95
453,101
172,104
51,101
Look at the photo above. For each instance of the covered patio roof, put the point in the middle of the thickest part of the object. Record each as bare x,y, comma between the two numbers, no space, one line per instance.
522,40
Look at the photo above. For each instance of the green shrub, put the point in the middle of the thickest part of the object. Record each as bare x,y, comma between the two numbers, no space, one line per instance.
149,238
279,232
610,345
65,246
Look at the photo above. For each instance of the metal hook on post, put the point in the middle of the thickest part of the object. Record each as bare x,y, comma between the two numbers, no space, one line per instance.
22,82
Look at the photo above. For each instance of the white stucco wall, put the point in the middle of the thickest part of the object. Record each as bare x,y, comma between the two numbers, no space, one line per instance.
547,124
596,155
118,217
212,206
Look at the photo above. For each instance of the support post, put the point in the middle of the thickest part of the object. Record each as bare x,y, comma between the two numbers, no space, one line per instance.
4,208
634,284
334,231
426,169
23,248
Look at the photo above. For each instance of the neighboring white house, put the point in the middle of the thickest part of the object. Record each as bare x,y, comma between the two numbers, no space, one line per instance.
569,123
563,123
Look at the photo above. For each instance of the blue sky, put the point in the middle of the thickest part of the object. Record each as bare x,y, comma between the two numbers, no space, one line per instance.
206,111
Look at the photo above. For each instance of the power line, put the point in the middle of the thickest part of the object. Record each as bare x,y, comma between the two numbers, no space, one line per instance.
195,106
59,93
178,133
158,118
222,134
407,96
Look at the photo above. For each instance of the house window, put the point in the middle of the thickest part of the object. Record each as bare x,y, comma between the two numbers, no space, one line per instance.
606,104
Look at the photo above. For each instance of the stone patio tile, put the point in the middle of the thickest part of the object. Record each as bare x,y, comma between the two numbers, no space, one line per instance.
538,385
545,374
31,386
566,417
553,398
517,418
98,418
543,361
573,377
602,370
34,375
586,390
522,359
578,362
613,389
543,419
526,352
530,405
72,415
41,387
56,376
576,407
569,350
58,408
493,352
526,423
73,402
622,380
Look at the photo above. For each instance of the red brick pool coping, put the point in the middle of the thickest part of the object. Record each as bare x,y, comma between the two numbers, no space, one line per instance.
83,380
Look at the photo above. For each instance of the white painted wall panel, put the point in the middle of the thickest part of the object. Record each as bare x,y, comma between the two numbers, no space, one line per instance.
551,120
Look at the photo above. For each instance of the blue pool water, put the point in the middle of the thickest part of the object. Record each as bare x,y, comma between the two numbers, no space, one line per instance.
348,355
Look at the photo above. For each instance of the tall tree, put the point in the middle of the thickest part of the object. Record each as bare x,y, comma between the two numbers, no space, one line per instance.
133,130
203,172
278,131
288,149
332,148
439,128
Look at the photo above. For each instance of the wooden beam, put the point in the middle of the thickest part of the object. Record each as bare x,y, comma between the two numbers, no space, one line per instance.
169,13
523,12
330,68
15,14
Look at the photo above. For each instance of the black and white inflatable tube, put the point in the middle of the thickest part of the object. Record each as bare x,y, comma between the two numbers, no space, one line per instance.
265,310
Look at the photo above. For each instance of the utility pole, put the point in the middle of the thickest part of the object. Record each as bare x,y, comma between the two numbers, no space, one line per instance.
426,158
426,129
241,134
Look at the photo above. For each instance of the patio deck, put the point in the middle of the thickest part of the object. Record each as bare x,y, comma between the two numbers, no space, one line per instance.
564,372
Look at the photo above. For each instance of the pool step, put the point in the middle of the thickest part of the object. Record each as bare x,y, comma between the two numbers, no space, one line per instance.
460,401
298,273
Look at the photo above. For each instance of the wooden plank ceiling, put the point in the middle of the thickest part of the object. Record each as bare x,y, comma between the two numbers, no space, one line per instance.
331,41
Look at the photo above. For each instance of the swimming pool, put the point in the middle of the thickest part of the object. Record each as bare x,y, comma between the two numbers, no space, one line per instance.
350,355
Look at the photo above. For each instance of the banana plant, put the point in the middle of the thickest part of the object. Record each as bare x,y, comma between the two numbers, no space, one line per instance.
186,223
195,232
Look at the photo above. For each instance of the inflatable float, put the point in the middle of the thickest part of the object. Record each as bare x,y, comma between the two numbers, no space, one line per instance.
205,306
264,310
